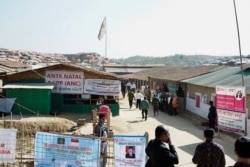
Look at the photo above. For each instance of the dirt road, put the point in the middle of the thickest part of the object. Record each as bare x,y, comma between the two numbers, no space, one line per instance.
184,133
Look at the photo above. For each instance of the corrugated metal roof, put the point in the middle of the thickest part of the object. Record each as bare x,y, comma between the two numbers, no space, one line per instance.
174,73
123,70
13,64
28,86
230,76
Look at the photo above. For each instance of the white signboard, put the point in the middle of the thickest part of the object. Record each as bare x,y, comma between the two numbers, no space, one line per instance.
7,145
70,82
231,121
102,87
129,151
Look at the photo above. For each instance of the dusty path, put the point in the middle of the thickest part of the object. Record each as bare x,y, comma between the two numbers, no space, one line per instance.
184,133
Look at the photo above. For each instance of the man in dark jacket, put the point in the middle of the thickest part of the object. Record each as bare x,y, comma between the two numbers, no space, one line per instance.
241,149
157,151
209,153
212,115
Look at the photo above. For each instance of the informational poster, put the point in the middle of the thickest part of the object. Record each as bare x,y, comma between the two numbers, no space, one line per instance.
231,110
53,150
231,98
129,151
70,82
231,121
102,87
7,145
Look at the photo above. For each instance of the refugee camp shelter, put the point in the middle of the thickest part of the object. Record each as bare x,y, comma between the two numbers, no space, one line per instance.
170,78
201,89
121,69
58,88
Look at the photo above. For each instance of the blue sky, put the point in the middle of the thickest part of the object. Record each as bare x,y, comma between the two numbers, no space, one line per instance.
134,27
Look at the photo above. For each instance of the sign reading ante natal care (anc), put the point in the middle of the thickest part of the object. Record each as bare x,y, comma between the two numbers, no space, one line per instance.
66,81
129,151
7,145
230,103
61,150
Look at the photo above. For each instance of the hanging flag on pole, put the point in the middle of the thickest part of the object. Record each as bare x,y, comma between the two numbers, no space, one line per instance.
102,29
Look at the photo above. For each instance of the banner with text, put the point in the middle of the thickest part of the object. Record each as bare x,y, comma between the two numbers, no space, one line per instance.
61,150
231,110
231,98
7,145
70,82
231,121
102,87
129,151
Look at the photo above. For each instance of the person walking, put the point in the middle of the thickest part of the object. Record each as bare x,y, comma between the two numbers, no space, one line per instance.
147,93
123,88
170,105
101,130
175,104
242,151
128,86
131,97
155,104
138,97
159,154
165,104
133,87
144,108
212,115
209,153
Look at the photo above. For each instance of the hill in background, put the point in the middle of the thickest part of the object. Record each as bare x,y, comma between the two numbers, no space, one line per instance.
94,60
176,60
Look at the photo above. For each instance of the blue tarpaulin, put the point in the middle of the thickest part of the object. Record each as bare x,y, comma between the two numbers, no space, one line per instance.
6,104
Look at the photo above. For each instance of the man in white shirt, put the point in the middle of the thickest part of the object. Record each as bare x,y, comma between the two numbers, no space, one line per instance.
138,97
133,87
128,86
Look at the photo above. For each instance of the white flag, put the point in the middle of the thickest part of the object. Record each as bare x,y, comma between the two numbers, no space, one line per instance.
102,29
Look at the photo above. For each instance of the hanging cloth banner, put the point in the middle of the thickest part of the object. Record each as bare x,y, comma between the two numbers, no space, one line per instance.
102,87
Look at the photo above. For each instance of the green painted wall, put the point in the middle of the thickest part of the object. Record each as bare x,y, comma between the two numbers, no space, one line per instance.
59,106
30,101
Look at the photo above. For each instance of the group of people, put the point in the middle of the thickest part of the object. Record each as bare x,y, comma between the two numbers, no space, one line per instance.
207,154
143,105
127,87
168,103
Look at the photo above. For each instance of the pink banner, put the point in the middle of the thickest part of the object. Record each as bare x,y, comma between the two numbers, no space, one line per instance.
230,103
230,98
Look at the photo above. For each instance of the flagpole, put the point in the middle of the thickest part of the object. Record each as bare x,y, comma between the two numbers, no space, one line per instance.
106,39
238,31
242,76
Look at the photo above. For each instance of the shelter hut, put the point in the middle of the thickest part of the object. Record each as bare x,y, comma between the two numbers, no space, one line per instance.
61,88
168,79
202,88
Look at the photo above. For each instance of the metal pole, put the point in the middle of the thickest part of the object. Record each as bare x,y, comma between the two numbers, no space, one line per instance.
238,31
242,76
106,36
